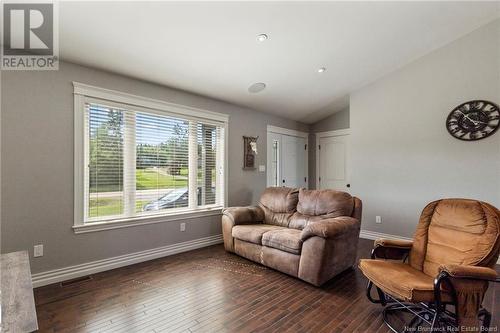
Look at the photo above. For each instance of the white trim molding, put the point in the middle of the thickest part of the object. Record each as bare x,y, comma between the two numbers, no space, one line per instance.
93,267
83,89
374,235
339,132
287,131
72,272
143,220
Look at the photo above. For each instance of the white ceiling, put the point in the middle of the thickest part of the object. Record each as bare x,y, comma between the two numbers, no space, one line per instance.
210,48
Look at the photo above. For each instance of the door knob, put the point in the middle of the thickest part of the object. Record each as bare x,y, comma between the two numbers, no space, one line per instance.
348,185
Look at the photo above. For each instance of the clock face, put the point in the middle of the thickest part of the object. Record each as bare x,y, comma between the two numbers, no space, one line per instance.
473,120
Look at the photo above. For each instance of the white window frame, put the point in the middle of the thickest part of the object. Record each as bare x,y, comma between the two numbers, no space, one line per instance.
83,93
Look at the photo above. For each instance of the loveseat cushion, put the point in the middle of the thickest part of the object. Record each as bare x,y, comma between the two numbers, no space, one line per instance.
327,203
280,199
252,232
279,204
287,240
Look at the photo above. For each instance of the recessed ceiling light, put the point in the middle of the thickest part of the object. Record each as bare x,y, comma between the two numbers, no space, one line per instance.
321,69
262,37
257,87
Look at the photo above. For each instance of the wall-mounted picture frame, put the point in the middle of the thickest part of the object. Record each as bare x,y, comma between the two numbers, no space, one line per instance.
249,152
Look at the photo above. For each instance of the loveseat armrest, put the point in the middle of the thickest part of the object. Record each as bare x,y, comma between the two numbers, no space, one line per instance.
244,215
391,249
330,228
238,215
469,272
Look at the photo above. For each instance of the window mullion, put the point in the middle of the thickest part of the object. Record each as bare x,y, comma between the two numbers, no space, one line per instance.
192,166
203,185
129,163
219,163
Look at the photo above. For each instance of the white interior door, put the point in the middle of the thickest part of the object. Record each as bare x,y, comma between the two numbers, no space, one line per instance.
287,160
334,160
294,159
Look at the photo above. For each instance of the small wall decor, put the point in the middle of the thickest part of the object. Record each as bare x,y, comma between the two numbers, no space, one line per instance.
473,120
249,152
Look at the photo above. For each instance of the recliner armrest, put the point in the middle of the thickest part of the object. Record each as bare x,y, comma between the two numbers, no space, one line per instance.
244,215
394,243
391,249
469,272
330,228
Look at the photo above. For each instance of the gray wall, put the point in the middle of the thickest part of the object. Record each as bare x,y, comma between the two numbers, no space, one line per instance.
338,120
37,167
402,154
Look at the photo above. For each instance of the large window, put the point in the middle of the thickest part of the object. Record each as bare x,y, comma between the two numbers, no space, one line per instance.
145,158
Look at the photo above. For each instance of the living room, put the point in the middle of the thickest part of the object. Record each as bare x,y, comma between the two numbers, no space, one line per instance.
227,166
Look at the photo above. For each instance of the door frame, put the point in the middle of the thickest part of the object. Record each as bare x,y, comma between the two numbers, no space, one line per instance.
290,132
327,134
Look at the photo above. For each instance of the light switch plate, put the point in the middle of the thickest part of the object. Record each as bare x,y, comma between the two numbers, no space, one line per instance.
262,168
378,219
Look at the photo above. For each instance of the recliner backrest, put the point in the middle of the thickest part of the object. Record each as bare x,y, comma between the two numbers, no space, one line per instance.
456,231
278,204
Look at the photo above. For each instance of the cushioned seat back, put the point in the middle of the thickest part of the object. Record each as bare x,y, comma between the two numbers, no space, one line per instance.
456,231
316,205
278,204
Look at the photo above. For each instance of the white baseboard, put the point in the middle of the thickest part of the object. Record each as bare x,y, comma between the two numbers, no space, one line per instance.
367,234
72,272
373,235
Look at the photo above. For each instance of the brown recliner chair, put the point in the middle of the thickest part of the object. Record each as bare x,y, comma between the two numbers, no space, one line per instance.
445,270
312,235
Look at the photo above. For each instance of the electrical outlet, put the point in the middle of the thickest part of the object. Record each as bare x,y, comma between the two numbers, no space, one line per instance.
378,219
262,168
38,250
183,226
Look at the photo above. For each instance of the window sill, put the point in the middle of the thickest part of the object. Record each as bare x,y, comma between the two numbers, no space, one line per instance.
144,220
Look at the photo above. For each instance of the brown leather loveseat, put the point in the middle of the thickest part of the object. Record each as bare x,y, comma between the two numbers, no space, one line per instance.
309,234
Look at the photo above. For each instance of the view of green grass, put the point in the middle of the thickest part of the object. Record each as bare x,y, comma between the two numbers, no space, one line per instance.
106,188
147,179
110,206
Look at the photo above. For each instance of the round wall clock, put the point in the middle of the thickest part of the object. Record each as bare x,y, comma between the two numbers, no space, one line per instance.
473,120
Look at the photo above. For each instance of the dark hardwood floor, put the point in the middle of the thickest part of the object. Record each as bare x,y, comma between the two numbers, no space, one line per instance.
209,290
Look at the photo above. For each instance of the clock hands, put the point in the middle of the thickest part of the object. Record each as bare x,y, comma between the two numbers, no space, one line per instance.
472,120
466,116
